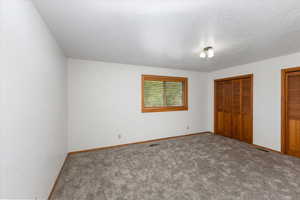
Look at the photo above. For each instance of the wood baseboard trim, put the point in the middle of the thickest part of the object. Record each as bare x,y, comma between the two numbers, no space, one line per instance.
265,148
57,178
142,142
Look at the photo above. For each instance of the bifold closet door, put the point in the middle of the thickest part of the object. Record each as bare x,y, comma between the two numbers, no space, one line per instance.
233,108
292,113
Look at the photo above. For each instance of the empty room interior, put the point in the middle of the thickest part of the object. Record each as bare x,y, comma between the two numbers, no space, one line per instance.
150,100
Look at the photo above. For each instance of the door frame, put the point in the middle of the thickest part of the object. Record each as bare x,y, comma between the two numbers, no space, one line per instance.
283,105
215,99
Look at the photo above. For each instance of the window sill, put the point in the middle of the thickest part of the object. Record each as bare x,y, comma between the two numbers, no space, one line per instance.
164,109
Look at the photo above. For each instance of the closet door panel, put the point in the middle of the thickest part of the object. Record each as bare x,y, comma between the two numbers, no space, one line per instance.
219,129
246,129
227,124
227,87
236,126
236,109
246,110
220,123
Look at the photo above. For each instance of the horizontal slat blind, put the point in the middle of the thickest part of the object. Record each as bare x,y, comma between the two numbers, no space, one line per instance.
163,94
153,93
173,93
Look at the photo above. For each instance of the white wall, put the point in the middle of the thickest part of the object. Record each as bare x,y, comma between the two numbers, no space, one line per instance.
1,103
266,96
33,92
105,100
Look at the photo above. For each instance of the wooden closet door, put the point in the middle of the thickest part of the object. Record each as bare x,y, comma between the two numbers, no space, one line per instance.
246,110
219,114
233,107
293,113
227,87
236,109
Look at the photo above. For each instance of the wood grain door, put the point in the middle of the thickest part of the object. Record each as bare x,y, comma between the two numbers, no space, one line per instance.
233,107
246,112
236,109
292,113
219,114
227,107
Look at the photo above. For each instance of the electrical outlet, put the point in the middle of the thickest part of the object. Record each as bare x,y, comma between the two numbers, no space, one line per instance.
119,136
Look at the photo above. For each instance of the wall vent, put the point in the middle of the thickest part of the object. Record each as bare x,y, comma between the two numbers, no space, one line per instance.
153,145
262,150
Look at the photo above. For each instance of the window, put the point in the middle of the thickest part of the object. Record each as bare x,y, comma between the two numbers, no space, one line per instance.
164,93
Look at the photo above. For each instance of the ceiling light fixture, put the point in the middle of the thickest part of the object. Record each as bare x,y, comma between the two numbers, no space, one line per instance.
207,52
202,54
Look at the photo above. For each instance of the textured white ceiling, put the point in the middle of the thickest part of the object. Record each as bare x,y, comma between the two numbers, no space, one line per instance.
171,33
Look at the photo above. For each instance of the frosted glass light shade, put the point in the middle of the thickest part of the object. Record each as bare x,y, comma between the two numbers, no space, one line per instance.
210,52
202,54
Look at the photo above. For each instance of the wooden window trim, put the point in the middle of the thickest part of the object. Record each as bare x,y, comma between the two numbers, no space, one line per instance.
184,80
